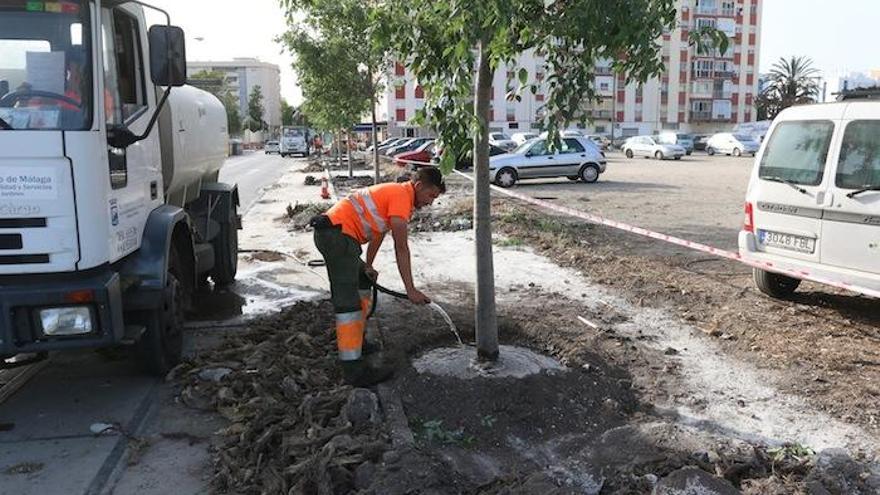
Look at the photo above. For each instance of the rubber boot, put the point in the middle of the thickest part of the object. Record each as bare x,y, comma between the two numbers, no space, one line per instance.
362,374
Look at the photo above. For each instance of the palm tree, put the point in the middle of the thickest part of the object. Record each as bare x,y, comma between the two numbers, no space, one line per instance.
792,82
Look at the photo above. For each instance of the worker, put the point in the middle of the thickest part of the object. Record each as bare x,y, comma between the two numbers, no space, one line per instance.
365,217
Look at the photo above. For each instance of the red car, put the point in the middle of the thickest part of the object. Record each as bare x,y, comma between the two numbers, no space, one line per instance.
424,154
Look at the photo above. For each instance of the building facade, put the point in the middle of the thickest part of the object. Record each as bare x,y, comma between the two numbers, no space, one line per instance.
696,93
242,74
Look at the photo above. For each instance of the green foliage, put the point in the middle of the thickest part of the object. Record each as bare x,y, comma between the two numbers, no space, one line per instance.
790,452
437,40
255,109
793,81
433,431
336,58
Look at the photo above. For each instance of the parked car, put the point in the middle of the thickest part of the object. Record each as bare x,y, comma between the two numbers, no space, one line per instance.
393,142
684,140
648,147
732,144
424,153
390,150
813,202
410,145
700,142
381,144
603,142
618,142
466,159
501,140
576,158
521,137
272,147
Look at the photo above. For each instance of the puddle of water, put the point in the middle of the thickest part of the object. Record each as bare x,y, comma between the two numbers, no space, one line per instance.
460,362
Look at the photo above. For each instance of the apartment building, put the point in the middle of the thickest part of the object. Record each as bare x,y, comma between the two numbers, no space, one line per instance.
700,93
242,74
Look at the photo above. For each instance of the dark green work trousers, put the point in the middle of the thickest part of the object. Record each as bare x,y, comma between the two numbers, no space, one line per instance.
342,256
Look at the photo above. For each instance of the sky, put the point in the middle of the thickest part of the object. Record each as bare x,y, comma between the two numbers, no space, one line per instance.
835,34
230,29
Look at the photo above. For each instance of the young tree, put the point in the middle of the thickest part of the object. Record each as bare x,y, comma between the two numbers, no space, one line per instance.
453,47
792,82
353,23
255,109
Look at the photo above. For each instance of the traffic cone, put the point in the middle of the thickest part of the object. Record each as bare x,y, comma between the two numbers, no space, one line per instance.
325,190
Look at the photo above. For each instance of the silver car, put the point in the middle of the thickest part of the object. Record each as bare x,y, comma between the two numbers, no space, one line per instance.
576,159
648,147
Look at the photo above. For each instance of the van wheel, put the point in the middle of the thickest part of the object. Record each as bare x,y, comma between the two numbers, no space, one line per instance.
629,153
589,173
506,177
226,251
710,151
658,155
160,347
773,284
737,152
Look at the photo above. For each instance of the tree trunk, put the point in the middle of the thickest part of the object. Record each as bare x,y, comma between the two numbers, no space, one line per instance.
485,318
336,139
348,153
375,133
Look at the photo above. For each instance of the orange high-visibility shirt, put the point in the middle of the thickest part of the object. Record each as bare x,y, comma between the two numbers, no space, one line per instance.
366,213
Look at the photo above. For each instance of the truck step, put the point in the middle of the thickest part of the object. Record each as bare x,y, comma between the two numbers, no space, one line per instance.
132,334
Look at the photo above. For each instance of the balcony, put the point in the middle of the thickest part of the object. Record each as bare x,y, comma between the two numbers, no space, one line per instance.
721,94
708,116
713,74
599,114
602,70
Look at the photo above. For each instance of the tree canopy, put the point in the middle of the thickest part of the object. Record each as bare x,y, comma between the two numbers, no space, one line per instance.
793,81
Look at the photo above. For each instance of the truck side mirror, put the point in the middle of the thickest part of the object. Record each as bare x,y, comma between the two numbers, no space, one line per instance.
167,55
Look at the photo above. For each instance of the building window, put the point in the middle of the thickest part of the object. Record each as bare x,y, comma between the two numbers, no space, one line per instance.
513,125
420,93
400,115
707,7
539,97
728,8
400,92
511,114
721,109
491,114
705,23
399,69
539,76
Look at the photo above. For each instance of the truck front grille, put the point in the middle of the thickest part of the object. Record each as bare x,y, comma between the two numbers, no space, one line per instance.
24,259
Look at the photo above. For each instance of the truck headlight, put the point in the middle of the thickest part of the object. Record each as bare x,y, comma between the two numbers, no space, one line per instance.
69,320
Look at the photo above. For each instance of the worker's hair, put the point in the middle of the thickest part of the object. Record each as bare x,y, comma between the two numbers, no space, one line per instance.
432,177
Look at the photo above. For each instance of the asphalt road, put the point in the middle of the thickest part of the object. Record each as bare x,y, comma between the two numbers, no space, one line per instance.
253,171
48,443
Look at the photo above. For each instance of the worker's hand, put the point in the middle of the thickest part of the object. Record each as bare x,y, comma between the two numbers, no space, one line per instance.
371,273
417,297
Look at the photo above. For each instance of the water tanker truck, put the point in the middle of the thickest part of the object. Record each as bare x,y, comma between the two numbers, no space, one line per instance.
111,213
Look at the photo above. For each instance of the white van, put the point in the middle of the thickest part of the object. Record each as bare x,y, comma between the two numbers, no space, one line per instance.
813,203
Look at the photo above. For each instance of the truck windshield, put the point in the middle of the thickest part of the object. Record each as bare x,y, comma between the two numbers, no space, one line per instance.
45,65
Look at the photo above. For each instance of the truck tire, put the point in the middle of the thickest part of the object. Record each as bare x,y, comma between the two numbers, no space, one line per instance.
773,284
226,251
160,347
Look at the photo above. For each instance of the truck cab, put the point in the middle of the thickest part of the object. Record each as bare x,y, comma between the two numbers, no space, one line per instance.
110,210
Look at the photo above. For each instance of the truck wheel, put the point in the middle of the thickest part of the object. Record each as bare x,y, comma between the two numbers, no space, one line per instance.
161,345
226,252
773,284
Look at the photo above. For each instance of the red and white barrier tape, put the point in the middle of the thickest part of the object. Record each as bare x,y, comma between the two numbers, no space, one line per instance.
696,246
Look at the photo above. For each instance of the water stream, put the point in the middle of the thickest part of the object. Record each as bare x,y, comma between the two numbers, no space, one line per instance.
436,307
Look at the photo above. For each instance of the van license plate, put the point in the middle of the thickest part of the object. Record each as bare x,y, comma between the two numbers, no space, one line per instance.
787,241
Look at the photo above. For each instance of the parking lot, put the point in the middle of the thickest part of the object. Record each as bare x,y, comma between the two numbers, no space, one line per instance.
698,197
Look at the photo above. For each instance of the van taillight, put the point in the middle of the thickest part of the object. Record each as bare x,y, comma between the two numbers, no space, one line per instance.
749,220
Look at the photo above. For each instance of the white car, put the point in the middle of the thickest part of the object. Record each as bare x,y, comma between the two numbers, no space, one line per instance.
521,137
648,147
813,203
272,147
576,159
732,144
501,140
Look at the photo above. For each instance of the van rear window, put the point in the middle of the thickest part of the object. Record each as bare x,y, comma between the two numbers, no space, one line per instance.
859,165
797,152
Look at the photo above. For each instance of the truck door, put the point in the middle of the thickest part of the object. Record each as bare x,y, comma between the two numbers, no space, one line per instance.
851,223
134,173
